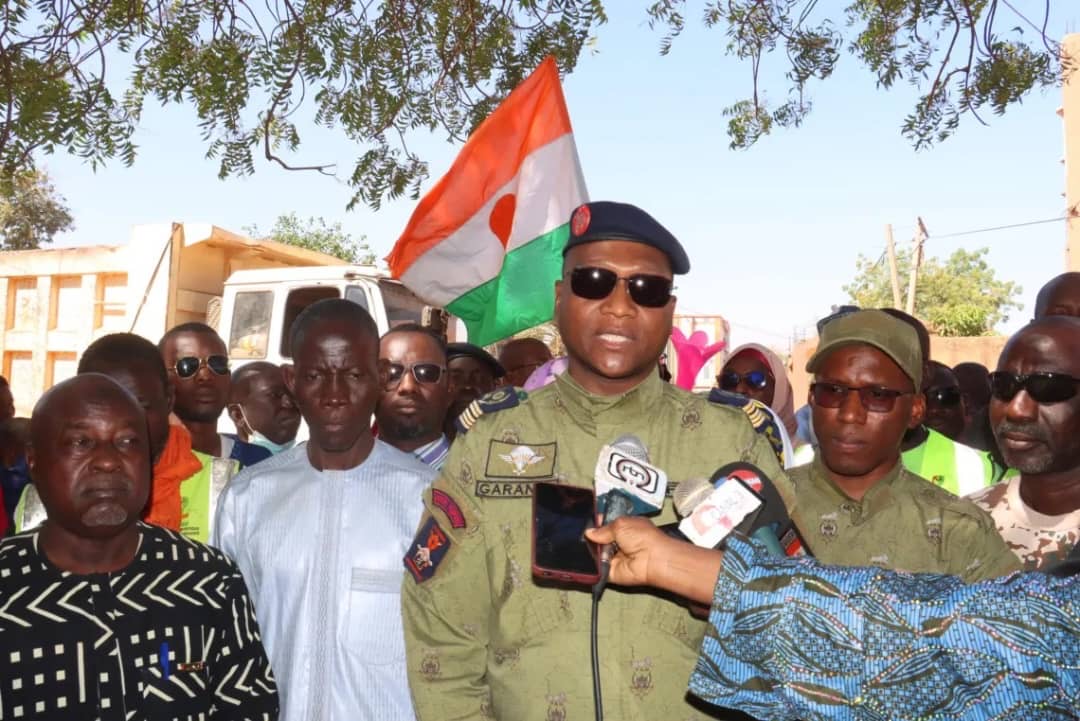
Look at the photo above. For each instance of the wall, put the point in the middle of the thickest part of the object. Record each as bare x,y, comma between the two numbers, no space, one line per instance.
53,304
950,351
1070,113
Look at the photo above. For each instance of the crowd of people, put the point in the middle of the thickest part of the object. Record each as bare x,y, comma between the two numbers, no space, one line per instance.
157,568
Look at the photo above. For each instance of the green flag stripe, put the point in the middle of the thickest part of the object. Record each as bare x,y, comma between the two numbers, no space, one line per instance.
521,296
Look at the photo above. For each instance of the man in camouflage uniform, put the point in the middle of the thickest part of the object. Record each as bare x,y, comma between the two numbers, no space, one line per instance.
859,505
484,638
1035,415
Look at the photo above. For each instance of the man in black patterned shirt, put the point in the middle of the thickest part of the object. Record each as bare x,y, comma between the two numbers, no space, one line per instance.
103,616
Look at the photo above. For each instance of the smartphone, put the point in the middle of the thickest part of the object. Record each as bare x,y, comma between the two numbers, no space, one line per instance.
559,548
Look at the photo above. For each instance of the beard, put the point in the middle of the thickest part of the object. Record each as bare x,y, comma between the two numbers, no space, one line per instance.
1040,459
399,429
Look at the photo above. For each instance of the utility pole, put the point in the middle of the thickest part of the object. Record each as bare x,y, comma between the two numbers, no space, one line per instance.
916,261
890,247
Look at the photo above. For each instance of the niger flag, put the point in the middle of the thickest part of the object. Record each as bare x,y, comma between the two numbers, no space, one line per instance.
486,242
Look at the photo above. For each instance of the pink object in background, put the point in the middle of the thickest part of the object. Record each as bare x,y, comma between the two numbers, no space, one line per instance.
691,355
546,373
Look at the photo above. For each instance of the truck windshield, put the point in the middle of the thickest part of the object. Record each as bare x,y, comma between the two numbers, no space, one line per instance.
358,295
401,305
250,329
299,299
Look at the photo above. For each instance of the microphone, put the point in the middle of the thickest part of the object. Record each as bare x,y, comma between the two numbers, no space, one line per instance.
626,485
712,509
746,500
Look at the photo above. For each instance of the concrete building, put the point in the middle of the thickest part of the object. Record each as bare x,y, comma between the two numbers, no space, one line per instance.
1070,115
55,302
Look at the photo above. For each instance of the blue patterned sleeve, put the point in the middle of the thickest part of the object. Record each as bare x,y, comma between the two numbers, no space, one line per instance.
793,639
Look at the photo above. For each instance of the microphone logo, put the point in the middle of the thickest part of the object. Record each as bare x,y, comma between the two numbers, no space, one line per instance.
633,473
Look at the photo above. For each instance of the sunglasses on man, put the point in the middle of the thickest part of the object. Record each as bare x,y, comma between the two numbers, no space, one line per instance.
424,373
1042,387
647,291
875,399
188,366
729,380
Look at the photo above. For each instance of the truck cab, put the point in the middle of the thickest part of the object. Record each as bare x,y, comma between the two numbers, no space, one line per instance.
259,306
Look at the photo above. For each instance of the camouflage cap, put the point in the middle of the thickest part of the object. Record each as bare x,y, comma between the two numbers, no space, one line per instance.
890,335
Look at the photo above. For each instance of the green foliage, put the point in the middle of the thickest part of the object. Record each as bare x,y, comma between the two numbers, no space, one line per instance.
31,211
375,71
959,297
315,234
255,73
962,55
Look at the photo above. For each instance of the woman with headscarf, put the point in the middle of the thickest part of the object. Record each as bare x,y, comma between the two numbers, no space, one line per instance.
756,372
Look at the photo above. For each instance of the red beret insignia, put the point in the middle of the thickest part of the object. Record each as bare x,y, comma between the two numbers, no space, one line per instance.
580,222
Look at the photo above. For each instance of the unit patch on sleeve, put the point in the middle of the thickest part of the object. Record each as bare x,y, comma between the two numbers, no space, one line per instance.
427,551
446,504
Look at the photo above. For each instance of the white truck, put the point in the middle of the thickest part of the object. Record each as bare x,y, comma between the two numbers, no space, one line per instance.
259,306
55,302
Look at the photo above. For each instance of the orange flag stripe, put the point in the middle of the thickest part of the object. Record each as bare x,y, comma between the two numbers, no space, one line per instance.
533,115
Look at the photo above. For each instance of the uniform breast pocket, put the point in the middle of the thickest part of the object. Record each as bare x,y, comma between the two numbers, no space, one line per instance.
173,672
184,692
373,632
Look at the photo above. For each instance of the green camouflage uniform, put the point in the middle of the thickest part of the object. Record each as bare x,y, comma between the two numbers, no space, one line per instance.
904,523
483,638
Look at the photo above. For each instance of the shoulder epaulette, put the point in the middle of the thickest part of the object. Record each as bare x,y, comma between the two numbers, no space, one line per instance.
757,413
498,400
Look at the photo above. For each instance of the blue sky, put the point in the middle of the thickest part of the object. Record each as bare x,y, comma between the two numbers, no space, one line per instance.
772,232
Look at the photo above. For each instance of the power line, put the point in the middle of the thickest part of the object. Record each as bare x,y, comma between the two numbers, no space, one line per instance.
999,227
755,329
1036,28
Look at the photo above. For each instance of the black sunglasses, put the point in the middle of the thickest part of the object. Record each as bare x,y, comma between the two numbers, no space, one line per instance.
943,397
188,366
729,380
421,373
1042,387
874,398
648,291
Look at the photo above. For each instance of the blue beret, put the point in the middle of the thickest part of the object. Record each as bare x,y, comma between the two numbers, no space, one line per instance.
606,220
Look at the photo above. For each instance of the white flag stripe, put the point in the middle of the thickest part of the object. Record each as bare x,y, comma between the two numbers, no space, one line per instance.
548,186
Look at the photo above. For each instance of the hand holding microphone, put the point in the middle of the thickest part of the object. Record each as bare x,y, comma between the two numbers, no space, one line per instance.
626,485
649,557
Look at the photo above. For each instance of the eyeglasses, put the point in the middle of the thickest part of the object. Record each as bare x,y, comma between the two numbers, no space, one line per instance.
648,291
729,380
1042,387
421,373
874,398
188,366
943,397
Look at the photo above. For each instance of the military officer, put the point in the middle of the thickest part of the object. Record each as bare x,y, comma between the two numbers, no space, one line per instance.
858,504
483,638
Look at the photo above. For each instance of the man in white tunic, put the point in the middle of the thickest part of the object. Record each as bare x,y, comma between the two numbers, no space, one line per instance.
319,532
